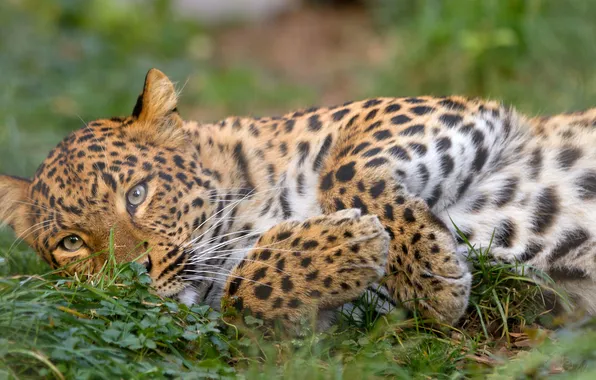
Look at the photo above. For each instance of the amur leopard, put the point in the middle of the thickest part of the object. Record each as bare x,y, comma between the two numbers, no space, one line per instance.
296,216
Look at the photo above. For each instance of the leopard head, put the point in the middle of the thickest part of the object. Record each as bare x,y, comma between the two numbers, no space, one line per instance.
129,187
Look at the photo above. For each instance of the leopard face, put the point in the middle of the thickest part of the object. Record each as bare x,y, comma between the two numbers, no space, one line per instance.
130,186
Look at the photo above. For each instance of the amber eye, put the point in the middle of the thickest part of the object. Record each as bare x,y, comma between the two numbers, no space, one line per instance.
72,243
136,195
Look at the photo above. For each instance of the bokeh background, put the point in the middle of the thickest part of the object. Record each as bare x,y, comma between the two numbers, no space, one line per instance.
65,62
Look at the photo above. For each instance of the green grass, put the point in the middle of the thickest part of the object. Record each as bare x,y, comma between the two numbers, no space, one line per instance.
111,325
67,60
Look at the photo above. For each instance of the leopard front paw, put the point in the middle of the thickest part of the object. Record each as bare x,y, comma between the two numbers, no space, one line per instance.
297,269
426,272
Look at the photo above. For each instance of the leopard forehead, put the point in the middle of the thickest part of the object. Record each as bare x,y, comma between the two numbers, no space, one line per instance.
102,154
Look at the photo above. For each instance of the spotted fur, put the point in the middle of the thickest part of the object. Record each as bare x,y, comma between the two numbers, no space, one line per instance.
297,215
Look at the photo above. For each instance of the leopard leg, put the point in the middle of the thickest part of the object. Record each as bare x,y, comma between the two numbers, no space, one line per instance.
298,270
424,271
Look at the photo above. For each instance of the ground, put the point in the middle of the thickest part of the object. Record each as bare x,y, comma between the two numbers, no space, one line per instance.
65,61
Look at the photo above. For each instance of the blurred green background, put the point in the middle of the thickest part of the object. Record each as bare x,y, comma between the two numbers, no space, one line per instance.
63,62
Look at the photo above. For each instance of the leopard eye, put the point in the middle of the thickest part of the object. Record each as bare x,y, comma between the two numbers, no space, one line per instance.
72,243
136,195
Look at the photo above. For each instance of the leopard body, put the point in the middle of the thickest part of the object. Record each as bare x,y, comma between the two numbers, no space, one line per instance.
301,214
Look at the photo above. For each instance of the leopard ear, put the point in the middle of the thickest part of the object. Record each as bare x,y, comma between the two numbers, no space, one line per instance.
157,104
13,200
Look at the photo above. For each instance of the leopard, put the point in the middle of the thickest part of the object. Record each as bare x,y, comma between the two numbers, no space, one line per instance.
296,217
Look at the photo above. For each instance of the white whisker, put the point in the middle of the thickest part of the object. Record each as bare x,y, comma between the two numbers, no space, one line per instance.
211,217
214,238
252,193
247,260
228,276
34,228
215,247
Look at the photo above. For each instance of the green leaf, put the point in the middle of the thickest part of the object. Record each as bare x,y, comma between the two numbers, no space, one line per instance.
3,347
363,341
190,335
111,335
172,306
130,341
164,320
61,354
200,309
148,321
150,344
252,321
